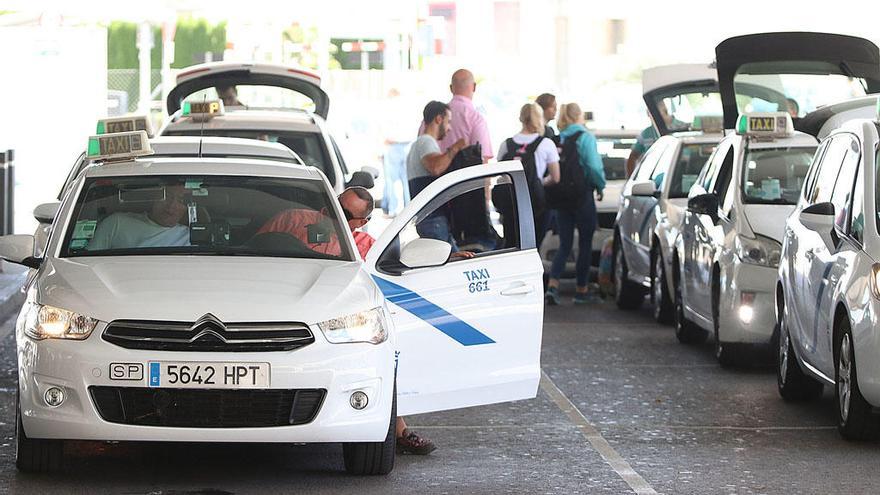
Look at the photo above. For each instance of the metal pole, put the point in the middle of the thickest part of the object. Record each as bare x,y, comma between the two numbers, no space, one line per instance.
10,192
4,187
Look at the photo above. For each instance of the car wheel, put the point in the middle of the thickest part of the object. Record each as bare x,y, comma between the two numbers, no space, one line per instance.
663,307
726,353
793,383
627,294
855,421
373,458
35,455
686,331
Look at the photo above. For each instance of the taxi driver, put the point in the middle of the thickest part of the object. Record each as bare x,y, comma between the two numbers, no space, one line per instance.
159,227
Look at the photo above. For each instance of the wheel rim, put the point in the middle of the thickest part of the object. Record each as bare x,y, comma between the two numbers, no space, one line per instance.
783,353
618,273
658,287
844,376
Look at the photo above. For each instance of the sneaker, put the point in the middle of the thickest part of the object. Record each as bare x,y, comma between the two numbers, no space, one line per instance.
586,298
412,443
552,296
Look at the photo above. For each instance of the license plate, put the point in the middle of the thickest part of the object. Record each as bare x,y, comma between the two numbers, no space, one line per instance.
178,374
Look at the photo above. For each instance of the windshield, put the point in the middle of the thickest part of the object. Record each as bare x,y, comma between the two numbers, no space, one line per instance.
205,215
614,151
795,87
775,175
254,96
308,145
690,162
693,111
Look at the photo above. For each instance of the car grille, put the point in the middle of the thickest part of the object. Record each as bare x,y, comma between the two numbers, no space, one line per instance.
189,408
606,219
207,335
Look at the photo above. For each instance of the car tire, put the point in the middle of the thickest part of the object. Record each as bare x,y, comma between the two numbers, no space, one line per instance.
373,458
686,331
36,455
664,309
627,294
727,354
792,382
855,420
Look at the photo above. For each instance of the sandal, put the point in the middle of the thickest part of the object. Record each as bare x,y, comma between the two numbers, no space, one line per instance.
412,443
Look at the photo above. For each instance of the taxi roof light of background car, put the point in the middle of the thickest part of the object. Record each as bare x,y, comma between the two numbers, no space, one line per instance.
119,146
765,125
202,110
125,124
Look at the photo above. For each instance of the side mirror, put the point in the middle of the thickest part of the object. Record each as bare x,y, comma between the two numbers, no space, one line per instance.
421,253
818,217
362,179
644,188
373,171
19,249
45,213
704,204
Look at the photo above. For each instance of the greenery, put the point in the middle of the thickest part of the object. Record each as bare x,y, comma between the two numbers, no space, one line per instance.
193,38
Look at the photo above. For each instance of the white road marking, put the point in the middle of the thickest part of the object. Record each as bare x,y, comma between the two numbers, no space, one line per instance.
635,481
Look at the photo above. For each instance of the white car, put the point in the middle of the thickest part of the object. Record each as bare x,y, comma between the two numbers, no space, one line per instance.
223,300
649,216
278,103
725,259
732,236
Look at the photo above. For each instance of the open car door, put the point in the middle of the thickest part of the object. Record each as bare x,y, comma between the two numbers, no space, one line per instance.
808,70
468,330
197,78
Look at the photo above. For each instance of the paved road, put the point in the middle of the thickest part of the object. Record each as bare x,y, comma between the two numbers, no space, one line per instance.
623,408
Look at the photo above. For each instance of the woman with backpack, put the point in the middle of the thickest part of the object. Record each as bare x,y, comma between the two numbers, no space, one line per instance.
574,202
540,160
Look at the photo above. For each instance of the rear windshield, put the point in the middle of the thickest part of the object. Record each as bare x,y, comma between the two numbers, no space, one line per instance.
255,96
614,151
775,175
694,111
690,162
308,145
205,215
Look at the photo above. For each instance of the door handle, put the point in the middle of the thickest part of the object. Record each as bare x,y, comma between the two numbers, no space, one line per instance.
518,290
809,254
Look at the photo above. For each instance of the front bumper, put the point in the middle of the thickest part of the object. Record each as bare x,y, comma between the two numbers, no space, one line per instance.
746,304
74,366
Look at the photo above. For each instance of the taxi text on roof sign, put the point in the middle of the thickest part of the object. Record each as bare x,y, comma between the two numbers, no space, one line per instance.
123,145
203,109
125,124
766,124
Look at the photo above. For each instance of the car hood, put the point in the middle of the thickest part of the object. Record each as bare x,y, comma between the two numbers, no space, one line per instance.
185,288
768,220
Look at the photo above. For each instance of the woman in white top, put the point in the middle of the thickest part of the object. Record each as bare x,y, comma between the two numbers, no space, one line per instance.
546,157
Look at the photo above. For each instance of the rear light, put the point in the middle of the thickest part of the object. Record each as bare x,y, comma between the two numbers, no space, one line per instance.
305,73
186,74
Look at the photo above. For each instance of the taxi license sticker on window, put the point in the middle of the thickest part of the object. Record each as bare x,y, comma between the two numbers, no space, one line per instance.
196,187
478,280
84,229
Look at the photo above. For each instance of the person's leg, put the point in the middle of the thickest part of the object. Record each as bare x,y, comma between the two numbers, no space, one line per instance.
540,228
586,225
565,229
410,442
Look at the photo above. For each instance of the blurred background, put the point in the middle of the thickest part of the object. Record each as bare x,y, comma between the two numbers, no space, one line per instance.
67,64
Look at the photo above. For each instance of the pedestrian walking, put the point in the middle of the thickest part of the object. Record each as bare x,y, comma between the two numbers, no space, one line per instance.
547,102
574,202
395,193
540,161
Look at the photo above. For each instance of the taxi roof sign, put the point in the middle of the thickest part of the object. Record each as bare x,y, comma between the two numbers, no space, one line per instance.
129,123
765,124
118,146
202,110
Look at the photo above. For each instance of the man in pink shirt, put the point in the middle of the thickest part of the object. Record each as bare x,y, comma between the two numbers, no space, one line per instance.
467,123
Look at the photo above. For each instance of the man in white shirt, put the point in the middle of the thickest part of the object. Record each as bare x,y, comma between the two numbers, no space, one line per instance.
160,227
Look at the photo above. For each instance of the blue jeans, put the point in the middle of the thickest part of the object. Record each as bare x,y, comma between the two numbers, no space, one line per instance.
585,219
436,226
395,173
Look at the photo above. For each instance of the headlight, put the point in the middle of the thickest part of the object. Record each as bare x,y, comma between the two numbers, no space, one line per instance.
48,322
758,251
366,326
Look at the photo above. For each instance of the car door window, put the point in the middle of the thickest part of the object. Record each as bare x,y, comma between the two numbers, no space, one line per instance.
842,192
857,216
829,167
339,158
649,163
712,170
458,216
663,165
814,171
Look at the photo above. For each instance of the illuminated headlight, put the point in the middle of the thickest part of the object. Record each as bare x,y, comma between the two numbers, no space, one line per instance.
758,251
746,307
366,326
48,322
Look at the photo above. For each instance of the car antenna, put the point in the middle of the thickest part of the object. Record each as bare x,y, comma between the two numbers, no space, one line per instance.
202,127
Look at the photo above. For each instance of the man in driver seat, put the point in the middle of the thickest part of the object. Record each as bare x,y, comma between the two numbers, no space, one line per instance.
159,227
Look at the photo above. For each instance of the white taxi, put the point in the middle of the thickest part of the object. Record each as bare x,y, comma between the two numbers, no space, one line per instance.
223,300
